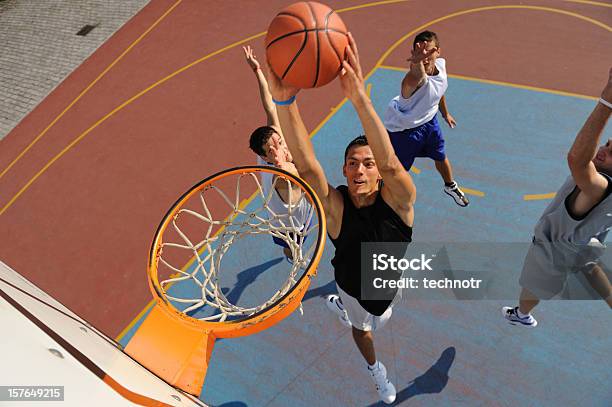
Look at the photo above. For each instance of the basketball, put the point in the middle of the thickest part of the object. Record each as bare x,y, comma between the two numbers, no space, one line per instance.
305,44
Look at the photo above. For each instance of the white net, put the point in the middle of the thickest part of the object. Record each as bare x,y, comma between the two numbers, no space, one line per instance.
216,228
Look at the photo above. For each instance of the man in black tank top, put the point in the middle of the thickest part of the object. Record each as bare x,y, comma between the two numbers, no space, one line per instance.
375,205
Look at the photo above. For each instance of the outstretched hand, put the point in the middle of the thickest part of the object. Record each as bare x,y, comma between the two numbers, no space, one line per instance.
278,89
420,53
450,120
250,57
351,76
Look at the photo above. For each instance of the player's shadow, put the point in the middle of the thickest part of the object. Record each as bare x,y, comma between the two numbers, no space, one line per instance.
434,380
329,288
246,277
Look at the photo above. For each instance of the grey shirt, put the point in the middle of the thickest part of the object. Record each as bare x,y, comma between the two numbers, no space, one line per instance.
574,241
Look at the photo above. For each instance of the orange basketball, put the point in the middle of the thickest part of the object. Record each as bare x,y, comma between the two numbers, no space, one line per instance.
305,44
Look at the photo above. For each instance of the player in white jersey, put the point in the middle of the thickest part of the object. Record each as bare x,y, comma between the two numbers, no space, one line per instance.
411,119
269,145
570,235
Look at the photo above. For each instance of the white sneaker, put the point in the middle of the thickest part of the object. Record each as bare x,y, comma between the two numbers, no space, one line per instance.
511,314
457,194
334,303
385,389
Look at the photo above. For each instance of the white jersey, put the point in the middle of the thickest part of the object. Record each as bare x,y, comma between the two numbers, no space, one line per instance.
300,211
421,106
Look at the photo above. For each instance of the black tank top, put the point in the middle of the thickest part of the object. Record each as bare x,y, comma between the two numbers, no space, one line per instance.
374,223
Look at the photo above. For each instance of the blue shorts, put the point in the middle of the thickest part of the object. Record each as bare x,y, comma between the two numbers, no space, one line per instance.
423,141
280,242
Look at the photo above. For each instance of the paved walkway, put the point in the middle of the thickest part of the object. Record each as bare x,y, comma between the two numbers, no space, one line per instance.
40,46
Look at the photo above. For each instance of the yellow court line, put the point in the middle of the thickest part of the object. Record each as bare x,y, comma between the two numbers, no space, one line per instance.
384,56
591,3
134,321
487,8
527,87
369,89
112,112
380,3
468,191
393,68
366,5
537,197
133,98
474,192
329,115
500,83
245,202
373,4
100,76
379,62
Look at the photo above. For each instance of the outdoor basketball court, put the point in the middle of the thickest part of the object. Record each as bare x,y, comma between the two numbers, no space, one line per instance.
169,100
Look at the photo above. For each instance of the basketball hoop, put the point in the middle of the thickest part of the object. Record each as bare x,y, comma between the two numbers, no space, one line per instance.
221,226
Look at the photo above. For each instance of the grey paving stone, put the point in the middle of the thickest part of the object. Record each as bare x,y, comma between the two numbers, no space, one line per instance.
39,46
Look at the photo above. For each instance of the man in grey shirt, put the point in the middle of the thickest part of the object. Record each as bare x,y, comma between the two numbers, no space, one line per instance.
570,235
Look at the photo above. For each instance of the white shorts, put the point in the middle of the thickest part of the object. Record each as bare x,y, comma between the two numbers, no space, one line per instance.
362,319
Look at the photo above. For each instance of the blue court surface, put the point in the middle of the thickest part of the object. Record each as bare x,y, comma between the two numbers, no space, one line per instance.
509,143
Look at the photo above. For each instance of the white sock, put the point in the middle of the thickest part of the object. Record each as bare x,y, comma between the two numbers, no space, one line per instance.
521,315
372,367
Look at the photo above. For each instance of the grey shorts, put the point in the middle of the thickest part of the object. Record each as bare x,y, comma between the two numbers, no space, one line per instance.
362,319
547,267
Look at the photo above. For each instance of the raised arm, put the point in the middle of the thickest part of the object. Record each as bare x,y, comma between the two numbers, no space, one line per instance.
302,151
416,76
264,92
395,177
580,157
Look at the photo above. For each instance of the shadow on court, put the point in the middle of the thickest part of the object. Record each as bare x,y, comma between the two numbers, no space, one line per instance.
246,277
434,380
329,288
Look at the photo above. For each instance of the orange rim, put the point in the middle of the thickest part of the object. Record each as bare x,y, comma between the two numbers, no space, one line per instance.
262,319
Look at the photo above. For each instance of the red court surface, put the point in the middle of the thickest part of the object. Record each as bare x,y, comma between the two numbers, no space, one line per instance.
168,100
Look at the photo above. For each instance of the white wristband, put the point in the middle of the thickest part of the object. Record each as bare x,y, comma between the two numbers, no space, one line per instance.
605,103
